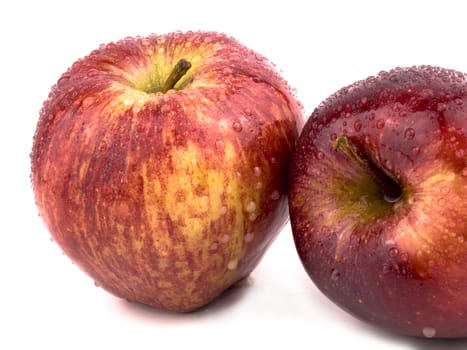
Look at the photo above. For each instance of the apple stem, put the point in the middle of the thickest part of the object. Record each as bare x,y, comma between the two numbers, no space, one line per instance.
178,71
391,190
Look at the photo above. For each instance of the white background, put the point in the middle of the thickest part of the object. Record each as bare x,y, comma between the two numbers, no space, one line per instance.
47,303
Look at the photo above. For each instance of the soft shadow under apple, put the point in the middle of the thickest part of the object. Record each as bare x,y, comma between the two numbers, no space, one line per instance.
222,303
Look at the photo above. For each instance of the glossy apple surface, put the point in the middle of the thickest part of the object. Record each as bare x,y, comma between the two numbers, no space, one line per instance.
159,165
378,200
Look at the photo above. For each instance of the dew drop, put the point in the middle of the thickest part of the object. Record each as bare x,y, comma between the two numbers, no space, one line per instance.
223,210
251,207
232,265
275,195
458,101
444,190
393,252
441,107
388,164
237,126
320,155
219,144
335,274
249,237
257,171
415,150
248,112
409,133
357,125
214,246
380,124
396,107
225,238
460,153
428,332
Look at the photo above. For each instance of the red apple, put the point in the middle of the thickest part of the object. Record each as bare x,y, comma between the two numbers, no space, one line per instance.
159,165
378,200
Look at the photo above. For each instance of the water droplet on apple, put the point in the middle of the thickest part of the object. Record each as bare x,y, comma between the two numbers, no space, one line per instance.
460,153
335,274
97,284
237,126
275,195
252,216
415,150
249,237
388,164
458,101
320,155
409,133
257,171
441,201
393,252
464,172
444,190
248,112
441,107
251,207
357,125
232,265
223,210
428,332
380,124
214,246
219,144
225,238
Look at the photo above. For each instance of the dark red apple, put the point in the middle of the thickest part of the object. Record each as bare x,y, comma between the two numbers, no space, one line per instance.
378,200
159,165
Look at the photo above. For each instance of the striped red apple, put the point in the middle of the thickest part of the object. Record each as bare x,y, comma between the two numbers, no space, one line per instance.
159,165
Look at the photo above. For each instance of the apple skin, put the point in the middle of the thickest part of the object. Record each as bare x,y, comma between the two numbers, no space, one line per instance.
397,262
166,197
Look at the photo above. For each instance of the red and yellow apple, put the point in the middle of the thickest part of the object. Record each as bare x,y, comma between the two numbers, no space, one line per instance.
378,200
159,165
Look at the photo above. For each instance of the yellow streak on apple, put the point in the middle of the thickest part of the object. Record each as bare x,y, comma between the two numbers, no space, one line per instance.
189,172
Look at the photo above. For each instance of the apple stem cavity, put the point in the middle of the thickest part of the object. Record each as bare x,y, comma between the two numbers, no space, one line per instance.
178,71
391,190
